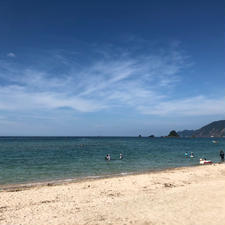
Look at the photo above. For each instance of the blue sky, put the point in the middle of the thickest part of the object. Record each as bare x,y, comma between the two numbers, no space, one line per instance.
110,67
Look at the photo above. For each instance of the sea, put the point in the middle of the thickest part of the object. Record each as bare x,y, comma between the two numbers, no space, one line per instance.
26,160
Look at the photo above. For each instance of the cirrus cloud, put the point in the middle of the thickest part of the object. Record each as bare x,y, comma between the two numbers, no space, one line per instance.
112,79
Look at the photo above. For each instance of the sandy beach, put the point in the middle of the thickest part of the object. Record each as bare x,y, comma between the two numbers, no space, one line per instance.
193,195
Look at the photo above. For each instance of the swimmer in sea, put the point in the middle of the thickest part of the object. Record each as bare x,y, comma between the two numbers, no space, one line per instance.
121,156
107,157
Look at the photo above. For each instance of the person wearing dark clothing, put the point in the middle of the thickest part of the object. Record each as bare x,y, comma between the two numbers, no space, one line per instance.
222,155
107,157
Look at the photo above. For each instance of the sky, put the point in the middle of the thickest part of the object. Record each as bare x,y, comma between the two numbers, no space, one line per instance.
110,68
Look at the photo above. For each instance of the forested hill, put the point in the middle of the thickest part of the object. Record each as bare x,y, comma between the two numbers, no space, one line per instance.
214,129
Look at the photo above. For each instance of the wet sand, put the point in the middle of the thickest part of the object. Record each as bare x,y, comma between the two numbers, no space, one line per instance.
191,195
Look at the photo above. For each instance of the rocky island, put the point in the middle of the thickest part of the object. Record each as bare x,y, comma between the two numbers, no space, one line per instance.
173,133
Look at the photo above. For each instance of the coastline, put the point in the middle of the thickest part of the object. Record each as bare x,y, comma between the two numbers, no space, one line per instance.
196,192
56,182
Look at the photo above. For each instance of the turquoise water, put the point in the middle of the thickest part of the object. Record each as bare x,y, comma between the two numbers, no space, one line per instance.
32,159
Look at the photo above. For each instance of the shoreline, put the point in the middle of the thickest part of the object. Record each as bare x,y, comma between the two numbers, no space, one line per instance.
196,192
57,182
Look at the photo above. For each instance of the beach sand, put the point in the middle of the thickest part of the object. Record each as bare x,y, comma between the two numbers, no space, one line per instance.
193,195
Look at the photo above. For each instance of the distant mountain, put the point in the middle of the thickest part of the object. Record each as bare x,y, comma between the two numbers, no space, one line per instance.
186,133
214,129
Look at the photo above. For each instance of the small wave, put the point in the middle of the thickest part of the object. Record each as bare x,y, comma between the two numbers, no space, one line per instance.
124,174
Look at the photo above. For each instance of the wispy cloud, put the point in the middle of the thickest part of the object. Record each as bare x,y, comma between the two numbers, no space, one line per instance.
11,54
193,106
19,99
113,78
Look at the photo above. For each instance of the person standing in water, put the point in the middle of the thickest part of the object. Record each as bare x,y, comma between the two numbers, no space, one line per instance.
186,154
121,156
107,157
222,155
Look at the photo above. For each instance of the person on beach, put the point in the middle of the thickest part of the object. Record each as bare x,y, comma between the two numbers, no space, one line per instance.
222,155
121,156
